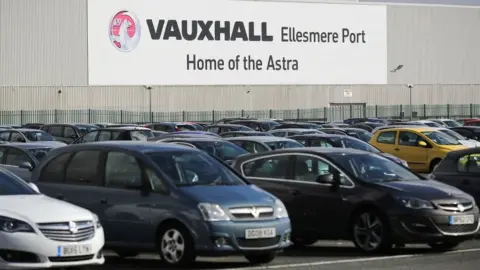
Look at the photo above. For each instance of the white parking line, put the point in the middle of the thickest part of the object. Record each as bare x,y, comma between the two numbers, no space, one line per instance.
346,261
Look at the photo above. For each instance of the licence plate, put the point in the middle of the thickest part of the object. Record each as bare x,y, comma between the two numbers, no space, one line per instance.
74,250
260,233
460,220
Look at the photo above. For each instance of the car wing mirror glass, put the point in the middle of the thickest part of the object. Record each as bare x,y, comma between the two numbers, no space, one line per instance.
26,165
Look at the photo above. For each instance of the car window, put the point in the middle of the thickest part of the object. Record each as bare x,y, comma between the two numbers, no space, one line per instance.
85,129
283,144
279,134
463,132
141,135
156,182
407,138
3,150
307,168
84,168
275,167
213,129
54,171
359,145
70,132
105,135
37,136
302,141
56,131
452,123
441,138
15,157
39,153
89,137
188,168
221,149
387,137
10,184
16,137
469,163
320,143
228,135
254,147
185,128
122,171
5,135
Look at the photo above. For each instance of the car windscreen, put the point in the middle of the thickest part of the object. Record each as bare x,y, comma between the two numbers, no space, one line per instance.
11,184
453,134
441,138
185,127
220,149
283,144
359,145
373,168
362,135
141,135
193,168
38,136
452,123
85,129
309,132
39,153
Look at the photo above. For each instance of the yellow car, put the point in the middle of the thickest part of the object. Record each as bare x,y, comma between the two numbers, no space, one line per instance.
421,147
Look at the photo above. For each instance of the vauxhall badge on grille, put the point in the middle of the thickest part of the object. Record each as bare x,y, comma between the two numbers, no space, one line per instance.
72,227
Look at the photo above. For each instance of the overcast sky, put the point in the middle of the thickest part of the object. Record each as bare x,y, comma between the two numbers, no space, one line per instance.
443,2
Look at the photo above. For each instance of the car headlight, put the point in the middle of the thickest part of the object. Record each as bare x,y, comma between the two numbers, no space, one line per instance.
212,212
96,220
415,203
280,209
12,225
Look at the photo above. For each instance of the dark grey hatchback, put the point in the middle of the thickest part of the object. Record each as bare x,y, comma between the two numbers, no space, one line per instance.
168,198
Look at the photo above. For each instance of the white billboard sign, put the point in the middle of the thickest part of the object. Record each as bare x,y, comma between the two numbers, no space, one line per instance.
212,42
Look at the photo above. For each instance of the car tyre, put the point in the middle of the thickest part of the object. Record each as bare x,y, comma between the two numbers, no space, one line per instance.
261,258
444,246
370,231
126,253
434,164
175,246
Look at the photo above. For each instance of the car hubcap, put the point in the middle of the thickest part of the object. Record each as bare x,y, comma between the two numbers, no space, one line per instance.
368,231
173,246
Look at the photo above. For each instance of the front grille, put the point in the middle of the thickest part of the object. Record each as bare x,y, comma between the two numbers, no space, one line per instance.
456,207
68,231
258,243
261,212
71,259
466,228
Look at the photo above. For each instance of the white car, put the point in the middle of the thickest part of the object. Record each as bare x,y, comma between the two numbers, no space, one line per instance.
38,232
460,138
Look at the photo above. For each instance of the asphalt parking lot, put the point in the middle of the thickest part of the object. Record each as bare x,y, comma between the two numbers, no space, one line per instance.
329,256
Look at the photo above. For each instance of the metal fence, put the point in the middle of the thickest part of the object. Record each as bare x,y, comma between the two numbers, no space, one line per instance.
335,113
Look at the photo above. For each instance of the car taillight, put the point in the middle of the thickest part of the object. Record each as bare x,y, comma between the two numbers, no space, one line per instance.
177,129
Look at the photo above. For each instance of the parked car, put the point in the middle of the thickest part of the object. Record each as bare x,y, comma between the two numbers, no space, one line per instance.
57,235
352,132
426,123
172,199
469,132
179,135
217,147
465,120
343,141
296,125
227,120
472,122
23,135
33,125
367,198
257,125
287,132
116,134
264,143
368,126
334,125
460,169
68,133
422,148
445,122
170,126
243,134
222,128
352,121
461,139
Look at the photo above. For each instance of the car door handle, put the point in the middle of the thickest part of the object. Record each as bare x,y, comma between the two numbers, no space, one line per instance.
104,201
396,149
465,182
295,192
60,196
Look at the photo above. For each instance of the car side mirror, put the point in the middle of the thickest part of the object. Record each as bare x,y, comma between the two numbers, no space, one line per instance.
326,179
26,165
422,144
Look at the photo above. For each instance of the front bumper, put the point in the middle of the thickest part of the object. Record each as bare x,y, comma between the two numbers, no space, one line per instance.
228,237
34,250
424,228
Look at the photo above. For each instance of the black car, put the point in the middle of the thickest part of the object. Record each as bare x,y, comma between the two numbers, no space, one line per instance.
116,134
68,133
170,126
352,132
21,158
257,125
343,141
469,132
243,134
297,125
216,147
264,143
337,193
33,125
460,169
222,128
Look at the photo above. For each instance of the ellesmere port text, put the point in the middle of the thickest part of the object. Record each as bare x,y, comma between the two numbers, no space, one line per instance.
290,34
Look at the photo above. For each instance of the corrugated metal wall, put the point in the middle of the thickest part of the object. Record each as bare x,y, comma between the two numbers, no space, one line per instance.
43,49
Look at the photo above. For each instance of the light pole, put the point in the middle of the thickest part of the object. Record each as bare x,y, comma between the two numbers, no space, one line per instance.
410,86
149,89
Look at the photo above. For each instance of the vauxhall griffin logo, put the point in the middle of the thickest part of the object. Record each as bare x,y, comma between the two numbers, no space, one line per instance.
72,227
124,31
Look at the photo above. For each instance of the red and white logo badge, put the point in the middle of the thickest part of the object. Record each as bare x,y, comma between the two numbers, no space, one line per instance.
124,31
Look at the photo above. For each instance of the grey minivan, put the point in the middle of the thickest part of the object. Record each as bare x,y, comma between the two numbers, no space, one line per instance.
176,200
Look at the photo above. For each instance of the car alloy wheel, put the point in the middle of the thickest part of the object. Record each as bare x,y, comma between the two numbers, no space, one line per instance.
172,246
370,232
